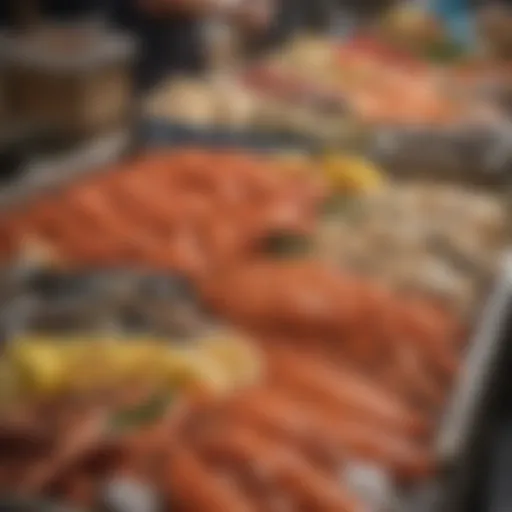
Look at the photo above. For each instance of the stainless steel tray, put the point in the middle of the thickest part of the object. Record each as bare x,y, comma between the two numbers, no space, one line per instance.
475,150
45,174
483,348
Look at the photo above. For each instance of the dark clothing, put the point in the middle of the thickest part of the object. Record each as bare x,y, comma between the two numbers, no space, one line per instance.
53,9
167,45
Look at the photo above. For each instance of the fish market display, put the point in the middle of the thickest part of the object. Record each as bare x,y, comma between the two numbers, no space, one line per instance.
230,104
189,211
203,102
376,84
351,294
210,456
411,347
281,443
442,240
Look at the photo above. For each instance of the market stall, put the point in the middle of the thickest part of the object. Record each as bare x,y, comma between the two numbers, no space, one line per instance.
290,298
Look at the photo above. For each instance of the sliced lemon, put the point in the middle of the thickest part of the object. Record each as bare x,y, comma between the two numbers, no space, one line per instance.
352,173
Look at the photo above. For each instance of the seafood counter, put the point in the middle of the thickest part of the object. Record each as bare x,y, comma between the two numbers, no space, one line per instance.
365,92
402,109
276,393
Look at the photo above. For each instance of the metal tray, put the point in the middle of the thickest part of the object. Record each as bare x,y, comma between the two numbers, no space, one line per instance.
458,441
160,132
479,143
55,171
461,150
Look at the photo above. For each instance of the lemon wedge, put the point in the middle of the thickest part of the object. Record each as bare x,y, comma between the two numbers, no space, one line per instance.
40,367
347,173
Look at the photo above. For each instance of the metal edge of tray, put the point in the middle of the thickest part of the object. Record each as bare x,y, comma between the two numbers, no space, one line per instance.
63,169
461,415
466,150
461,425
155,131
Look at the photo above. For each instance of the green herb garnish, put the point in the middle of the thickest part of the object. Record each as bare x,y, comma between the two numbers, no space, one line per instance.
141,414
287,245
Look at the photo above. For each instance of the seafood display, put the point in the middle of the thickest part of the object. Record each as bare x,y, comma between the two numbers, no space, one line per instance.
178,457
231,105
439,239
349,295
375,83
375,90
188,211
262,448
411,347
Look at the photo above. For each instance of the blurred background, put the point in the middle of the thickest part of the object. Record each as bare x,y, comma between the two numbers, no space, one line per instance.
255,255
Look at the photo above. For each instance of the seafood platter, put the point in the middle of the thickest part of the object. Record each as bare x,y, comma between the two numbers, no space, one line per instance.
188,330
400,102
364,92
229,110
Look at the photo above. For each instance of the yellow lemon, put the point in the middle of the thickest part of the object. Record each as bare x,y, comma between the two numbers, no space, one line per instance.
352,173
41,367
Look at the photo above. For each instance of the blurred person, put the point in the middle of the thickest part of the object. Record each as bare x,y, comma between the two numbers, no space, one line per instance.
170,32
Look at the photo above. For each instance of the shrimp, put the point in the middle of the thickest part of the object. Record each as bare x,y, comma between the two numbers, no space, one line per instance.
279,417
73,447
192,484
318,430
345,390
287,468
429,332
404,458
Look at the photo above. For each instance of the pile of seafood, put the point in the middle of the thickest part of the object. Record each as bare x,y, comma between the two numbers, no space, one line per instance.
374,82
439,239
189,211
411,348
331,367
231,105
282,445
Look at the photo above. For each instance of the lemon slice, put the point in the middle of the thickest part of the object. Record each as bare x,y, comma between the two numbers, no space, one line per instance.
40,366
352,173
